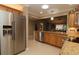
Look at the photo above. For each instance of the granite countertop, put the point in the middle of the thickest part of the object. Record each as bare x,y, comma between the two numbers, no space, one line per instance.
70,48
55,32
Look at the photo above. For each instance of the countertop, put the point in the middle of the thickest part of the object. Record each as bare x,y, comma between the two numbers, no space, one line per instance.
55,32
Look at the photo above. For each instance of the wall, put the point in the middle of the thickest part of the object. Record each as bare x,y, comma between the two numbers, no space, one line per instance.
31,28
25,12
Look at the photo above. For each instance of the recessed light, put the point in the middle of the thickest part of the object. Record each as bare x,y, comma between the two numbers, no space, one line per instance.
52,18
45,7
41,12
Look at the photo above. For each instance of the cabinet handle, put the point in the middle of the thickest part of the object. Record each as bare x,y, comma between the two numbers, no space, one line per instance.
13,30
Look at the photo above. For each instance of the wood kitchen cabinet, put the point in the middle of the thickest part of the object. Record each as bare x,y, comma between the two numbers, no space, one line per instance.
60,20
60,40
73,19
49,38
77,19
55,39
8,9
42,25
52,39
46,37
37,35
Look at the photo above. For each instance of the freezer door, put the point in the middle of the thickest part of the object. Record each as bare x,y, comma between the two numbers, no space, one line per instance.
5,42
5,17
19,33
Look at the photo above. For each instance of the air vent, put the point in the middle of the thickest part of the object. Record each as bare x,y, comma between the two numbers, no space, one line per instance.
52,11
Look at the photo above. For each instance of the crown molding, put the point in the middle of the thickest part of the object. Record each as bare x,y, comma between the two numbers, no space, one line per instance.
64,12
34,14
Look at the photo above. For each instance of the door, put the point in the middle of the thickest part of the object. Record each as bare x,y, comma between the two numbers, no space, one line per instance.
19,33
46,37
52,38
71,19
37,35
5,21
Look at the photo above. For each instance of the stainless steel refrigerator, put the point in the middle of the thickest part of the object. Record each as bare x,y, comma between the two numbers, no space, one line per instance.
12,33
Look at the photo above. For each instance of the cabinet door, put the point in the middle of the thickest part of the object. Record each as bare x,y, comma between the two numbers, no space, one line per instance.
36,35
46,38
71,20
77,20
59,41
52,39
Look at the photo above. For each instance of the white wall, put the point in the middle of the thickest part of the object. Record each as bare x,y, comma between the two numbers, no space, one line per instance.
31,28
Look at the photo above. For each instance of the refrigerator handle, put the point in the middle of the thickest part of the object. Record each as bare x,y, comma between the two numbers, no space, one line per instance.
13,30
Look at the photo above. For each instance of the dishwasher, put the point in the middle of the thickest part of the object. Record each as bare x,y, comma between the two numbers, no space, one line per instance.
41,36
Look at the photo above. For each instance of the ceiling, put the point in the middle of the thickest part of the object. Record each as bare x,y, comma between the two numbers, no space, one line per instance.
54,9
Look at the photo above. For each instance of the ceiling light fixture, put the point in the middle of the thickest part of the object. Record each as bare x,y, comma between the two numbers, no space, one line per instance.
52,18
45,7
41,12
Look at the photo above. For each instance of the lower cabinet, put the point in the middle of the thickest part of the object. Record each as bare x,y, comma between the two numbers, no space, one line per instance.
46,38
59,40
54,39
37,35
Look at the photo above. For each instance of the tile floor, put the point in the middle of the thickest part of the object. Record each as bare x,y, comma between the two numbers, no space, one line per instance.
38,48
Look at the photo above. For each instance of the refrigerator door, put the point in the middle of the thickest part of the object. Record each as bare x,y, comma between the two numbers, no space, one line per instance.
5,17
19,33
6,44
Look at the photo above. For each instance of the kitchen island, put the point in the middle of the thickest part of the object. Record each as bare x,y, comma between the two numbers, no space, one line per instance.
50,37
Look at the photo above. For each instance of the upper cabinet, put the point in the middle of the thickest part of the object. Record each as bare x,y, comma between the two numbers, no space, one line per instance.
42,25
77,19
14,6
71,19
50,25
60,20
